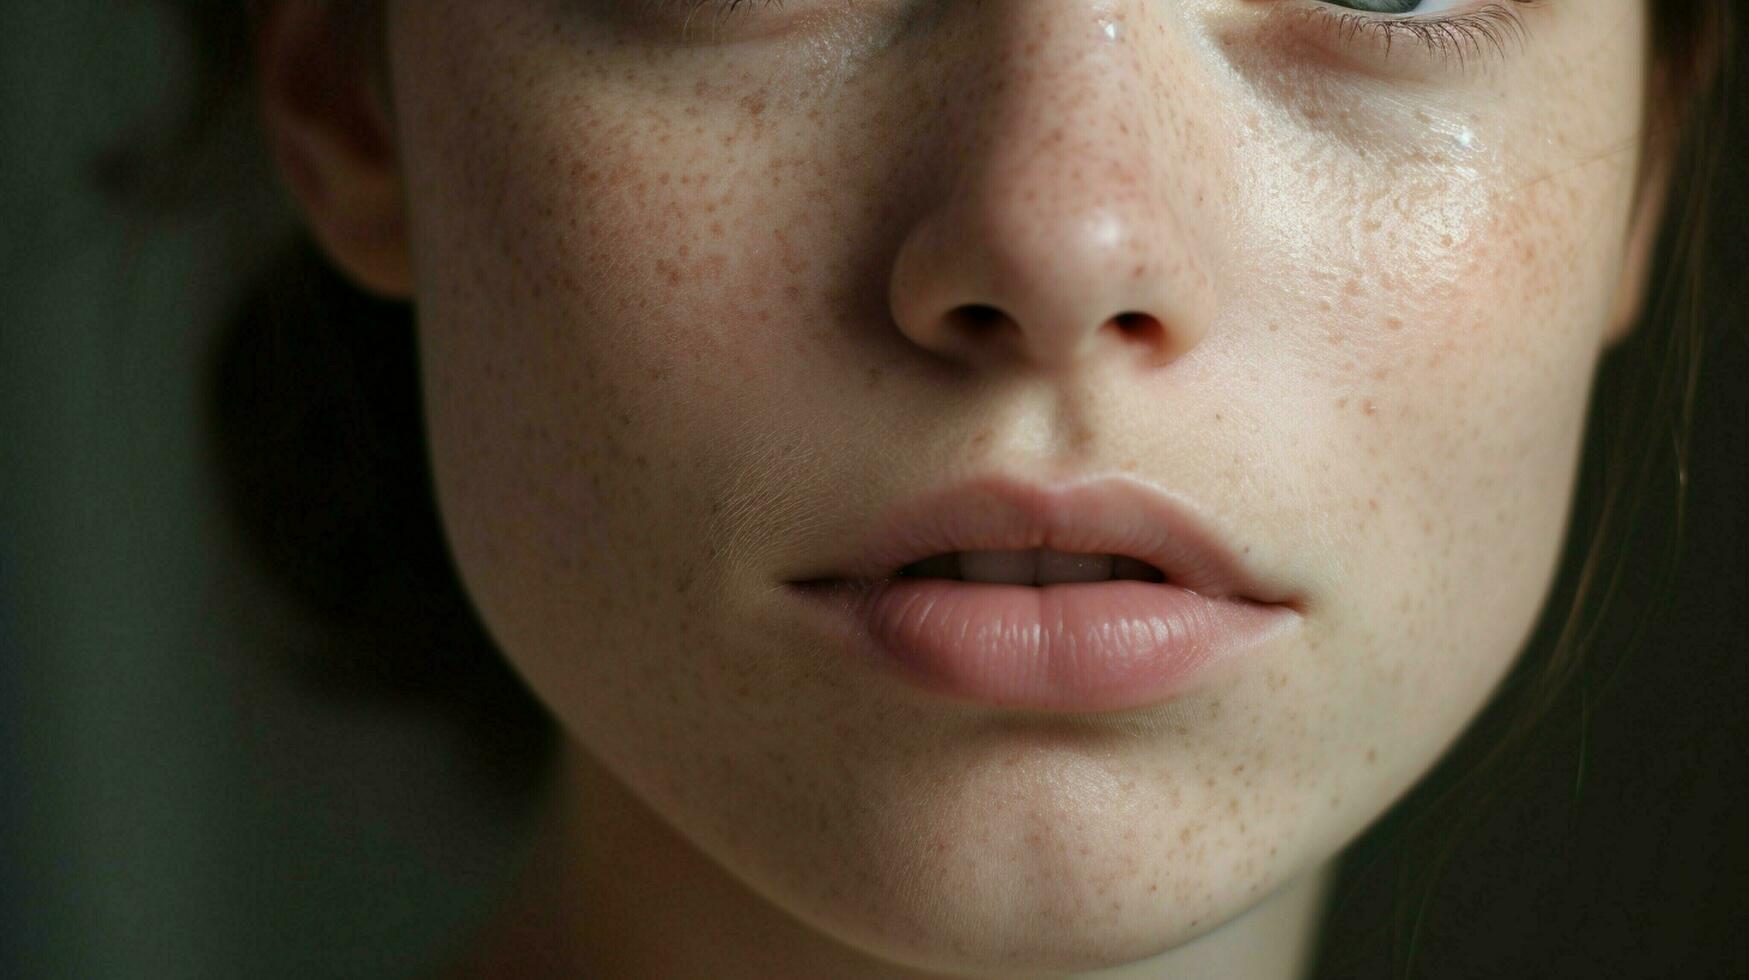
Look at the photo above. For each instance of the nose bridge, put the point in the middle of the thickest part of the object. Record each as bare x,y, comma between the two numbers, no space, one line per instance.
1063,216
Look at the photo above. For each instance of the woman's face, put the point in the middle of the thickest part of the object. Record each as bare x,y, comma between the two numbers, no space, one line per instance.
685,304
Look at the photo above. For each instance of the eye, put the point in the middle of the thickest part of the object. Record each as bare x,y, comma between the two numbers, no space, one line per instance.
695,19
1459,30
1422,7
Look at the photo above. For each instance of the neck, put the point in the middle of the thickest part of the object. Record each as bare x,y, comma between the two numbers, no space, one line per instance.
611,891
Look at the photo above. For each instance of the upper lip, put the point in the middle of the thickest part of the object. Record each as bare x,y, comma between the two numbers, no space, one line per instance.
1115,515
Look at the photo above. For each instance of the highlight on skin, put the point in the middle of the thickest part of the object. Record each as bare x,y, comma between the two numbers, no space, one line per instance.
695,310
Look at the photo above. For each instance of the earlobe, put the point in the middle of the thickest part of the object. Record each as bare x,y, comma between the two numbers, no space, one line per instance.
332,139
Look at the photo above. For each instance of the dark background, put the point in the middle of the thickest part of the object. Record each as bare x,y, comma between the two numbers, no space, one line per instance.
172,808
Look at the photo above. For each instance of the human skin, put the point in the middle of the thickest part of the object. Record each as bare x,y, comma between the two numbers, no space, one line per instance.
683,318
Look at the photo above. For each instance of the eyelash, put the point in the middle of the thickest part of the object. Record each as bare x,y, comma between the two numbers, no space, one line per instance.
1490,29
1461,37
724,8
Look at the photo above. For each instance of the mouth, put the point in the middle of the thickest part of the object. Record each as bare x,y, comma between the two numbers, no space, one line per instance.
1100,596
1009,532
1032,566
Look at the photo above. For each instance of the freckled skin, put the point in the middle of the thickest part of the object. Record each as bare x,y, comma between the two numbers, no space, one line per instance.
684,315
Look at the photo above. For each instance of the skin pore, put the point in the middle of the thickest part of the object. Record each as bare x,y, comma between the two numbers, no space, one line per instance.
685,309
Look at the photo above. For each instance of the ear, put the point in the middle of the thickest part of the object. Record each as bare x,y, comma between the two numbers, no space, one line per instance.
1651,197
329,131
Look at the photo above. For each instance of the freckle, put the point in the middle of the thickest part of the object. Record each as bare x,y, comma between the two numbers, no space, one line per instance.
1372,756
1372,504
1393,323
1274,327
1341,403
717,229
1369,408
1381,374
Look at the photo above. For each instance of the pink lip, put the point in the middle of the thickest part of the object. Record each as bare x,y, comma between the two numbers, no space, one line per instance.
1091,646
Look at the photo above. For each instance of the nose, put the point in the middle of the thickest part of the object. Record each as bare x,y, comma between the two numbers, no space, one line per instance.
1063,234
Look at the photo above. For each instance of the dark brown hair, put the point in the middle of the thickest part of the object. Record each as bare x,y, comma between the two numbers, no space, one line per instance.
315,415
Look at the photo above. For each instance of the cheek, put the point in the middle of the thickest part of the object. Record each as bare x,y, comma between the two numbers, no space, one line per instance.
605,282
1438,331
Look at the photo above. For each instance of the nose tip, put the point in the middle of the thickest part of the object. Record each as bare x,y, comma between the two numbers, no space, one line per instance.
1071,227
1054,292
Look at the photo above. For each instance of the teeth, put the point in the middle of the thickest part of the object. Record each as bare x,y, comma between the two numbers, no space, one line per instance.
1001,567
1063,566
1038,566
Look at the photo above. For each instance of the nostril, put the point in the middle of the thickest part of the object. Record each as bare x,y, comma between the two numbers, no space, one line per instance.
1138,325
978,318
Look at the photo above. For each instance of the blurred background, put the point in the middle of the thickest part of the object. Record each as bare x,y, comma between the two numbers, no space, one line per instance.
174,806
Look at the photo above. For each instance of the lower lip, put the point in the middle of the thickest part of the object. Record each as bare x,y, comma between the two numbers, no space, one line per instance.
1085,646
